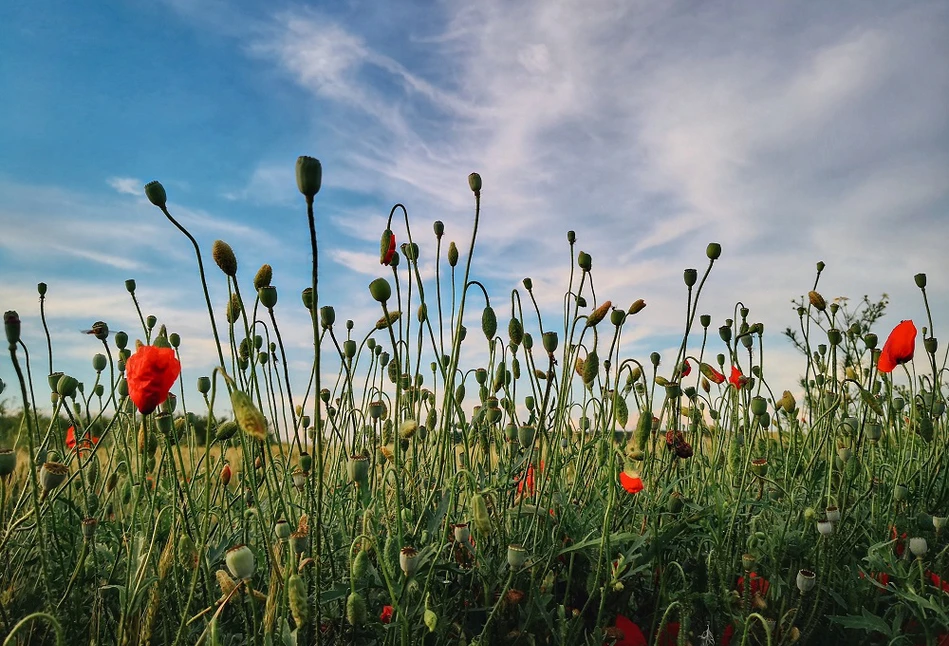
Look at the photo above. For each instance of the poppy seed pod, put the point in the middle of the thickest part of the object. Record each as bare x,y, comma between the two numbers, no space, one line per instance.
918,546
461,532
806,580
155,193
474,183
268,296
327,316
931,345
759,405
66,386
516,556
224,257
305,462
282,529
920,280
439,228
584,261
309,176
832,514
307,296
380,290
408,560
550,342
713,251
690,276
834,336
52,474
240,562
825,527
525,435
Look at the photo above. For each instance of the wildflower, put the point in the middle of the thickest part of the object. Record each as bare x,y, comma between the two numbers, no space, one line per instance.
150,373
387,247
669,636
686,368
937,581
631,483
711,373
626,633
528,480
759,585
71,438
899,347
386,616
899,545
737,379
675,441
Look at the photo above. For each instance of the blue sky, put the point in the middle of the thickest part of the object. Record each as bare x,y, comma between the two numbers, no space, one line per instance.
789,133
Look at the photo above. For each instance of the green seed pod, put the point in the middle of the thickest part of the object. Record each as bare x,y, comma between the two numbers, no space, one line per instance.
759,405
355,609
327,316
550,342
305,462
349,348
452,254
474,183
931,345
151,321
479,514
66,386
489,323
307,296
690,276
155,193
380,290
584,261
713,251
121,340
439,228
360,566
834,336
224,257
52,474
617,317
204,385
309,176
525,435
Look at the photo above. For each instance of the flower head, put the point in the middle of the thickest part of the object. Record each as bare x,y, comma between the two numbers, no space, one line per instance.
71,438
151,372
737,379
386,616
631,483
899,347
625,633
711,373
759,585
387,247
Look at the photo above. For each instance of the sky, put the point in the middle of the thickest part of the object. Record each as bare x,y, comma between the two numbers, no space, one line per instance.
790,133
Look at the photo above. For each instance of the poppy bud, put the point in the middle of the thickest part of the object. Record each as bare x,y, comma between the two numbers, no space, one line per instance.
528,284
591,366
474,183
380,290
234,309
387,321
226,475
224,257
584,261
713,251
309,176
817,300
11,325
690,276
240,561
297,597
251,420
386,247
452,254
155,193
479,513
617,317
307,296
355,609
489,323
430,619
598,314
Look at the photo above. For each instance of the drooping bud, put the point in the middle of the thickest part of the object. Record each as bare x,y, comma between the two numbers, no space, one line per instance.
250,419
355,609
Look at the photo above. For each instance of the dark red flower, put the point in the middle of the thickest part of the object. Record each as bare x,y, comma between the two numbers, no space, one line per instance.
686,368
151,372
626,633
632,484
386,616
937,581
899,347
727,635
737,379
900,545
759,585
675,441
71,438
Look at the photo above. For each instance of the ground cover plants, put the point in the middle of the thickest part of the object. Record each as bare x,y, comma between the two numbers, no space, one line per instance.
556,491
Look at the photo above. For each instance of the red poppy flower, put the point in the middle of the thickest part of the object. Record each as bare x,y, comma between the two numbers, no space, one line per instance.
899,347
937,581
727,635
686,368
71,438
528,481
626,633
737,379
711,373
880,577
386,616
387,258
151,372
632,484
900,545
759,585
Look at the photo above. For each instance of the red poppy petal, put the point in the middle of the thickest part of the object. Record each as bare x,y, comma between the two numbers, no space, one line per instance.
632,635
71,437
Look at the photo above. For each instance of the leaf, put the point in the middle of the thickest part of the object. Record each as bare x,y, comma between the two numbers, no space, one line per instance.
335,593
866,621
440,513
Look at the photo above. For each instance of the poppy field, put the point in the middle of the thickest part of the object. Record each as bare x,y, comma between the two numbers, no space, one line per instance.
554,489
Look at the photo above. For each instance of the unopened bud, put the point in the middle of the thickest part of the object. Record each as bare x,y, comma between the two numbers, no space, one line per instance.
224,257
